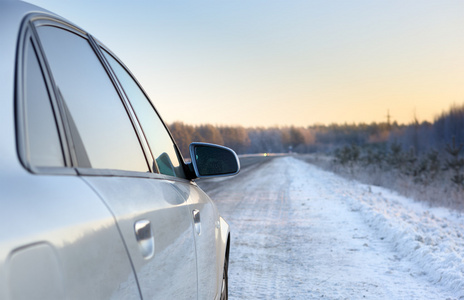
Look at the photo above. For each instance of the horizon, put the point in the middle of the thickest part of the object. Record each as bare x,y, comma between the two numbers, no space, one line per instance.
446,112
267,63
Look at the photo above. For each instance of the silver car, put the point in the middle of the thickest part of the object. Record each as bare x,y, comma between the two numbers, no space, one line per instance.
96,200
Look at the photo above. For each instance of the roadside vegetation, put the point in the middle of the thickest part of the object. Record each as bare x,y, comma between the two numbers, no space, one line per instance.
436,177
422,160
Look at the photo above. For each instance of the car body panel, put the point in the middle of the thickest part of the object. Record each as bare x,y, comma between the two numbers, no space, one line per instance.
171,272
63,212
209,258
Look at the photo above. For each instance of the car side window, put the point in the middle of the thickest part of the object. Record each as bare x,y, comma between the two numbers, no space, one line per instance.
159,140
42,140
102,133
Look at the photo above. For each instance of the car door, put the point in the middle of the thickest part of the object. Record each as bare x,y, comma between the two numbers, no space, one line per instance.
111,156
203,212
58,239
208,240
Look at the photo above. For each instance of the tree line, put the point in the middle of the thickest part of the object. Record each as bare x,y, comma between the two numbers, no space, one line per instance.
424,160
419,137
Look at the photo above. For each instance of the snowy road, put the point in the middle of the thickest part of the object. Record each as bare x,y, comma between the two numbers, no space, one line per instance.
302,233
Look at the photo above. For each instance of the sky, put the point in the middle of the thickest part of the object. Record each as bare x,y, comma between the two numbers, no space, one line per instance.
280,63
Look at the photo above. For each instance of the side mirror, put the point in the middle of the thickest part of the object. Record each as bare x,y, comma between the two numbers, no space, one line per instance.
211,160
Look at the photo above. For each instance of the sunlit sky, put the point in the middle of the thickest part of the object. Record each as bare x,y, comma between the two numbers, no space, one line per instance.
266,62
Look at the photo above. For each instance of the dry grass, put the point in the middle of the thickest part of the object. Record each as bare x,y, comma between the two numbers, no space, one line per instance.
440,192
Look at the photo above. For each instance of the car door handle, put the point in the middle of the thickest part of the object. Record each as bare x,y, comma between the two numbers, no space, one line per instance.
197,221
145,238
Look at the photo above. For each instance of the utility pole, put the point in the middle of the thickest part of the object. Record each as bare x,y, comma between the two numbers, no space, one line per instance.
388,120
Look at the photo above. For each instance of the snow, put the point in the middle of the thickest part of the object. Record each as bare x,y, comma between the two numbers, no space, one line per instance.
299,232
430,238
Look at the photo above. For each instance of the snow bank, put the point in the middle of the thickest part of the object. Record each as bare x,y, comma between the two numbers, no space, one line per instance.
431,238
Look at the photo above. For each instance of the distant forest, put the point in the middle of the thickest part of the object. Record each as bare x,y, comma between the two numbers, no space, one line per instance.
417,137
422,160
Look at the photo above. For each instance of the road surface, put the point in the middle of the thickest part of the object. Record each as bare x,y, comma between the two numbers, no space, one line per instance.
299,232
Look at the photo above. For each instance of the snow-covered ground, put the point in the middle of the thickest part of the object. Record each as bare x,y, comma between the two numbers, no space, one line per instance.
299,232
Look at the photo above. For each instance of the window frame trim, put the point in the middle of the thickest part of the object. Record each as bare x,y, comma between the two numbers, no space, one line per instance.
28,29
176,147
128,106
28,35
40,21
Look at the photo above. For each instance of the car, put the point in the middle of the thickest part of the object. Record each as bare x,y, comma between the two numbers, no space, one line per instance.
96,200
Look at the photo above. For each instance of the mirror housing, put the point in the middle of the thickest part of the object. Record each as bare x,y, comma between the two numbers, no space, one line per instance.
209,160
